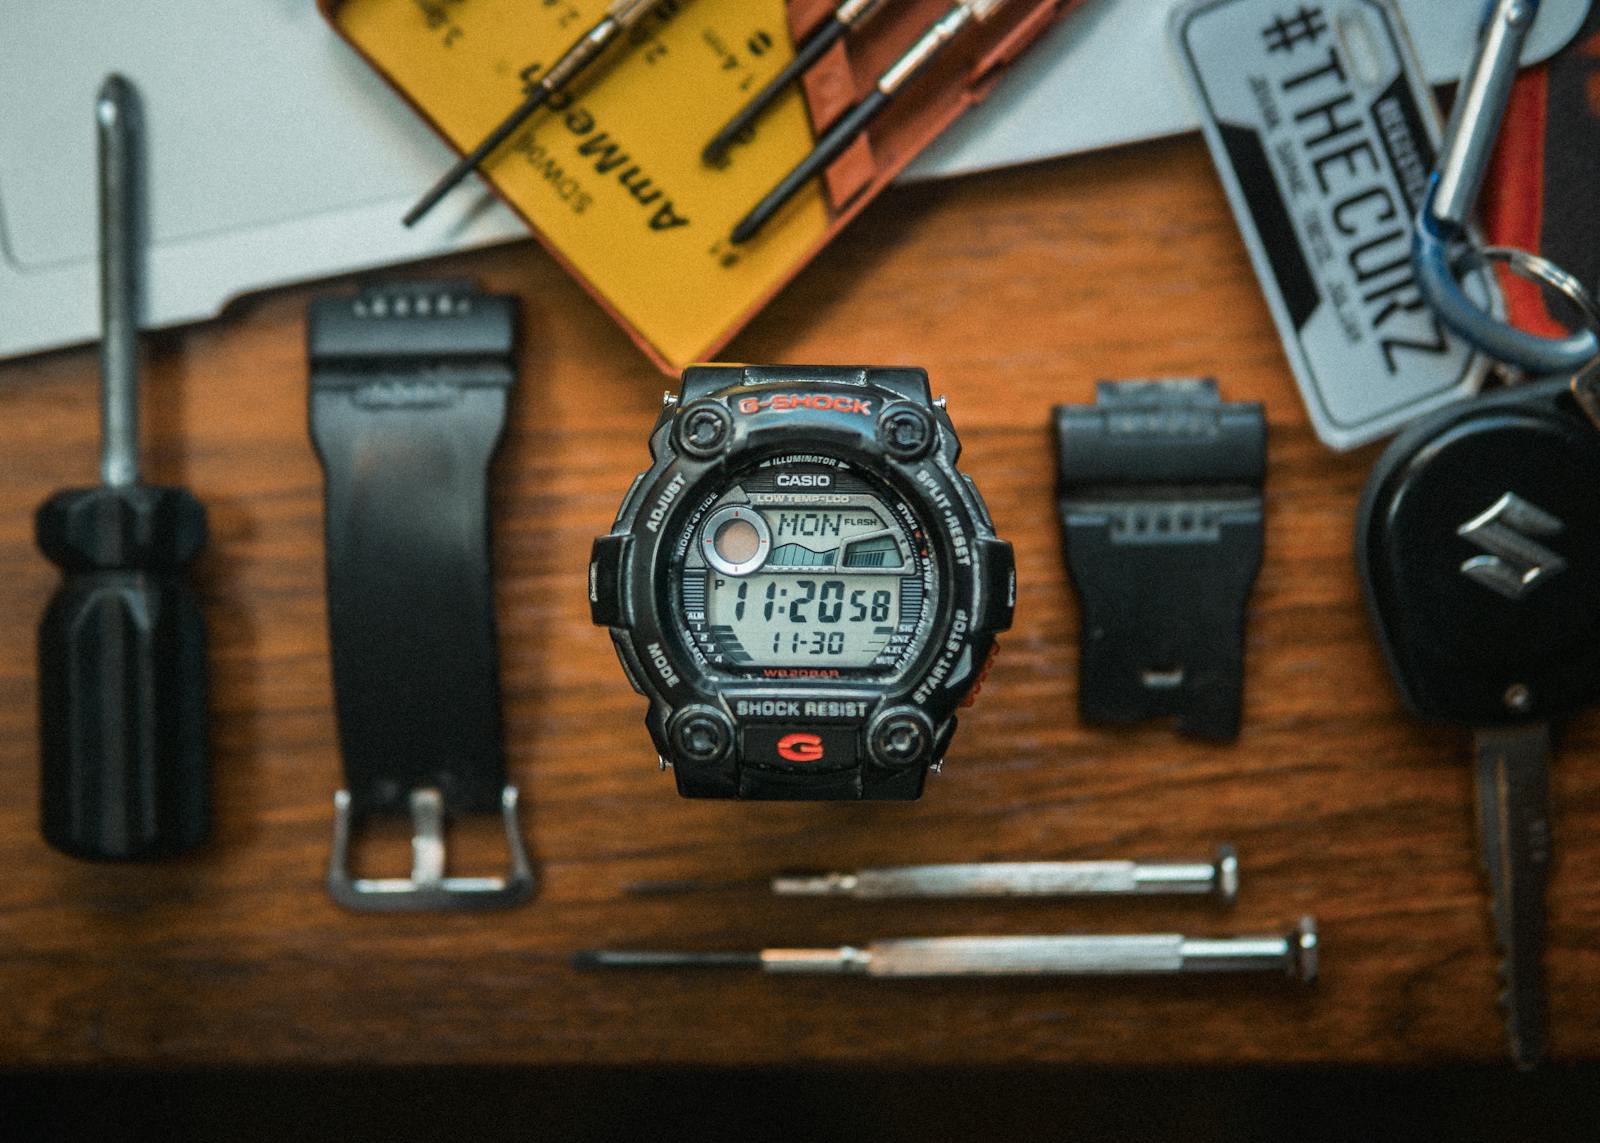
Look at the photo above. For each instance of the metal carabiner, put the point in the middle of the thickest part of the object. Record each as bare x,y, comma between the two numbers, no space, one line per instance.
1441,230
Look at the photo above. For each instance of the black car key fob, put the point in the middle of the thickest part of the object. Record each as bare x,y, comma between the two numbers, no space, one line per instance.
1479,551
1479,547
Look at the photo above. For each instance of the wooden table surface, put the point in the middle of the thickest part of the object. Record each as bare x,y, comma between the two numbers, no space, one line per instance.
1015,290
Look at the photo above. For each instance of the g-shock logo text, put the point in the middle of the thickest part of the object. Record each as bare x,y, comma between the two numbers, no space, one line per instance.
800,747
788,402
805,480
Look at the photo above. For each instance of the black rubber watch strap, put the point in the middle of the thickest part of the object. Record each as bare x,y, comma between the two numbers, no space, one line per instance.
407,408
1161,509
866,782
408,402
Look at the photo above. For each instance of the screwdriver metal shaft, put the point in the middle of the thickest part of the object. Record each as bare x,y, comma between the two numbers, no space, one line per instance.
622,15
1219,878
916,59
1292,954
115,126
845,18
122,686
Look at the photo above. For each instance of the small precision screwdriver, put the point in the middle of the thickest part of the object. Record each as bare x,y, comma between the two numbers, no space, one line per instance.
1219,878
619,17
1293,954
122,668
929,46
845,19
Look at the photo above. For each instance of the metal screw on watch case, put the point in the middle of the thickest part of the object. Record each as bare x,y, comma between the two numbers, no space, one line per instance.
701,733
703,429
901,738
906,432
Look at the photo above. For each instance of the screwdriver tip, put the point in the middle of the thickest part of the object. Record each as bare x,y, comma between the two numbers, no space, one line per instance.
114,99
115,86
434,194
1227,866
668,888
1305,948
747,229
588,959
475,158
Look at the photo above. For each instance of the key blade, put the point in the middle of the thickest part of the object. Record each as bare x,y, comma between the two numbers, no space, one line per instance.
1514,842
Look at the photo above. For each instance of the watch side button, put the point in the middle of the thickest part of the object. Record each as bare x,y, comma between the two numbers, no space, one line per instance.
608,582
999,584
978,504
625,657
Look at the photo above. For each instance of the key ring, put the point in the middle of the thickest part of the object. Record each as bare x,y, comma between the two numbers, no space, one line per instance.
1541,271
1441,227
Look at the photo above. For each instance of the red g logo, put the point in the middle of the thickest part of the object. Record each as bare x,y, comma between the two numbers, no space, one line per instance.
800,747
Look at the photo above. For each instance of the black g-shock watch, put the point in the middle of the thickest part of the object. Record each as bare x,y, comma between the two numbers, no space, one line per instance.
802,584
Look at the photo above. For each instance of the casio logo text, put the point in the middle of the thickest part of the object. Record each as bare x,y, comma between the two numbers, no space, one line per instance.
805,480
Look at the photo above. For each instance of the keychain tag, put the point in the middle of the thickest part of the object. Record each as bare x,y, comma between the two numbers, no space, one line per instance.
1324,133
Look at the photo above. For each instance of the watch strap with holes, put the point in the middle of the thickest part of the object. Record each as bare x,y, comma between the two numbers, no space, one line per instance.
1159,488
409,384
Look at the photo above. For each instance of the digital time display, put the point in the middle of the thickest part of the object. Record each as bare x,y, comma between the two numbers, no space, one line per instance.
798,568
798,619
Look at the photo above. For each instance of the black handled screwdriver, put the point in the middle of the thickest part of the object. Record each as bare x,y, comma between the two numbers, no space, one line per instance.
845,18
620,16
929,46
122,666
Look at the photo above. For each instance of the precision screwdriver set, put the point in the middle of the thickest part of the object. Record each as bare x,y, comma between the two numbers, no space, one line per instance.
595,119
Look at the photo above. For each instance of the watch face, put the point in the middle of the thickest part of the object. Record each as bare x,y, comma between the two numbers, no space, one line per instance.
804,567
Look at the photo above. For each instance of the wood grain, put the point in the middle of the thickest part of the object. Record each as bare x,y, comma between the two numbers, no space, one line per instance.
1016,290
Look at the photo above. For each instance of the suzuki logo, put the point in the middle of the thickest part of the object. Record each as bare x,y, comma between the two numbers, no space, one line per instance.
1516,563
800,747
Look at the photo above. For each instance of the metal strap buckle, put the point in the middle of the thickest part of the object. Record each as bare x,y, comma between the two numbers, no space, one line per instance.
428,889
